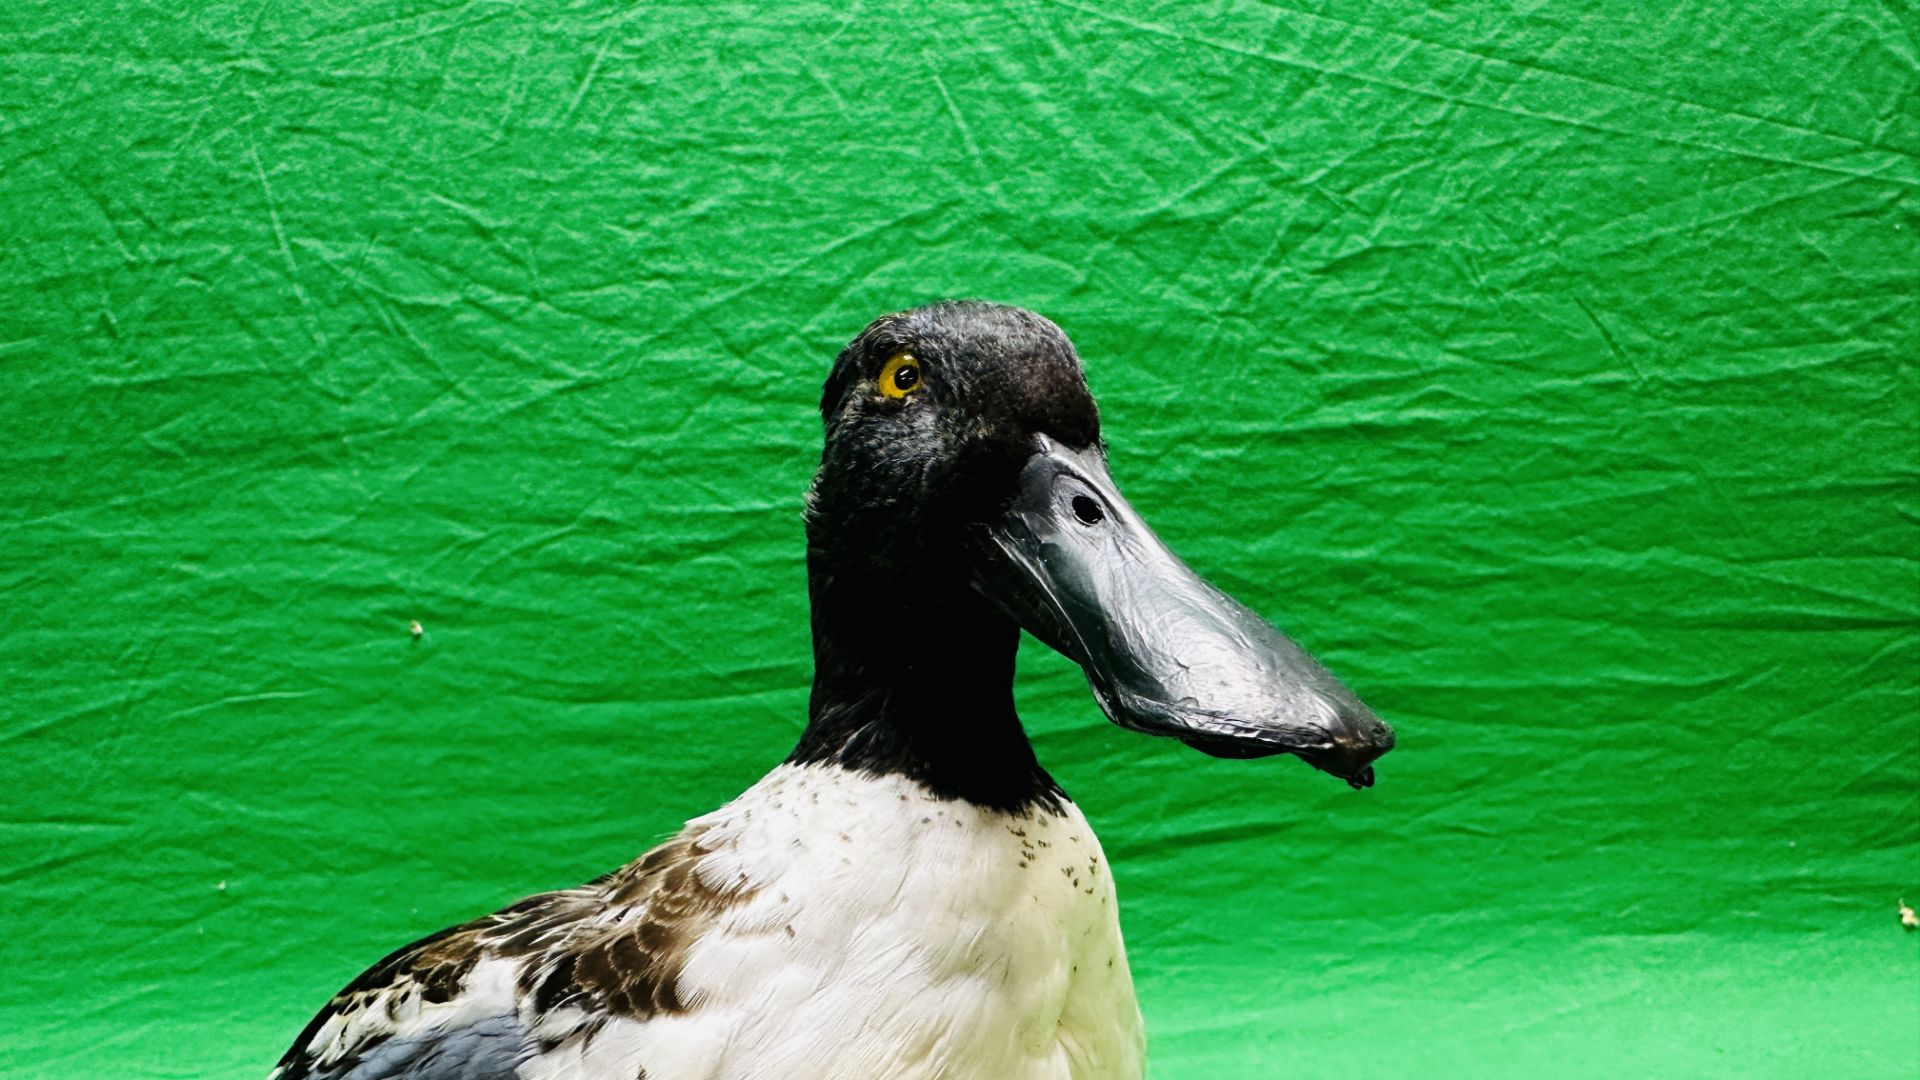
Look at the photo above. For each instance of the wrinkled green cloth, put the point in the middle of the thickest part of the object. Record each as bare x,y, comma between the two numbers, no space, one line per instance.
1547,369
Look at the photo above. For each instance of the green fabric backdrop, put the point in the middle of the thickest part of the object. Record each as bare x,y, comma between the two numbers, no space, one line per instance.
1548,368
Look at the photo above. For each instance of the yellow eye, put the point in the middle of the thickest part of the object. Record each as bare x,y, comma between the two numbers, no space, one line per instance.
900,376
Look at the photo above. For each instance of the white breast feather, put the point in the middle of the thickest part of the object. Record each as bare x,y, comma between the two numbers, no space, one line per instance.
889,934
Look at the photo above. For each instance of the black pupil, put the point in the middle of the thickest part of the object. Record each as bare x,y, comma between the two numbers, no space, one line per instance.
906,376
1087,510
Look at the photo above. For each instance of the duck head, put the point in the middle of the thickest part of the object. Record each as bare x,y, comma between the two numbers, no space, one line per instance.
964,491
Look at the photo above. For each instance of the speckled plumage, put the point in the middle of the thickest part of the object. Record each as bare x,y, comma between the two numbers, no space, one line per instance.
827,923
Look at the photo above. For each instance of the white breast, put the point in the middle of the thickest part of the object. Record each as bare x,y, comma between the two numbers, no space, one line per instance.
889,934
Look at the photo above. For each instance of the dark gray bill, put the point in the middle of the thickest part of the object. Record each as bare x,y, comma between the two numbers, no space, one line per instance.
1165,652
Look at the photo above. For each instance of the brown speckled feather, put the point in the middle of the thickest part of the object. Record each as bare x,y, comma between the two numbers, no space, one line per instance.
612,947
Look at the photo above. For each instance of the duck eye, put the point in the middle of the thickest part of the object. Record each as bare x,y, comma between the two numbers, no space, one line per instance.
1087,510
900,376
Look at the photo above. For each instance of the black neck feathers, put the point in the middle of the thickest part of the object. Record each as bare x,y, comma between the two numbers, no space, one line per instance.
907,686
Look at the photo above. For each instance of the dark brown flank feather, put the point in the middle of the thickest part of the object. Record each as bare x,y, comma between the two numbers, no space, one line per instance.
569,956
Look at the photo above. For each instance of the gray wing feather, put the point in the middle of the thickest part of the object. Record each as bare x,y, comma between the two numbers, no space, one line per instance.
492,1049
433,969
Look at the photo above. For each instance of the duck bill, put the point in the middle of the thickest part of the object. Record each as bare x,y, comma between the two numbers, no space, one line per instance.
1165,652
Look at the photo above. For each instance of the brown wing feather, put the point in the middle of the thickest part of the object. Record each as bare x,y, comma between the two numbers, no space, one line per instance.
613,947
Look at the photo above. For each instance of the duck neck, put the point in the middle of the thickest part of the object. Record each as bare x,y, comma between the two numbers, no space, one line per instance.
908,686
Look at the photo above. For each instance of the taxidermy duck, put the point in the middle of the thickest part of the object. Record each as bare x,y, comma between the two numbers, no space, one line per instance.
909,894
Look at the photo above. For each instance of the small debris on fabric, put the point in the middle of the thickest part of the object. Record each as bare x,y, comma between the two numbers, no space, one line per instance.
1908,918
414,628
222,887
